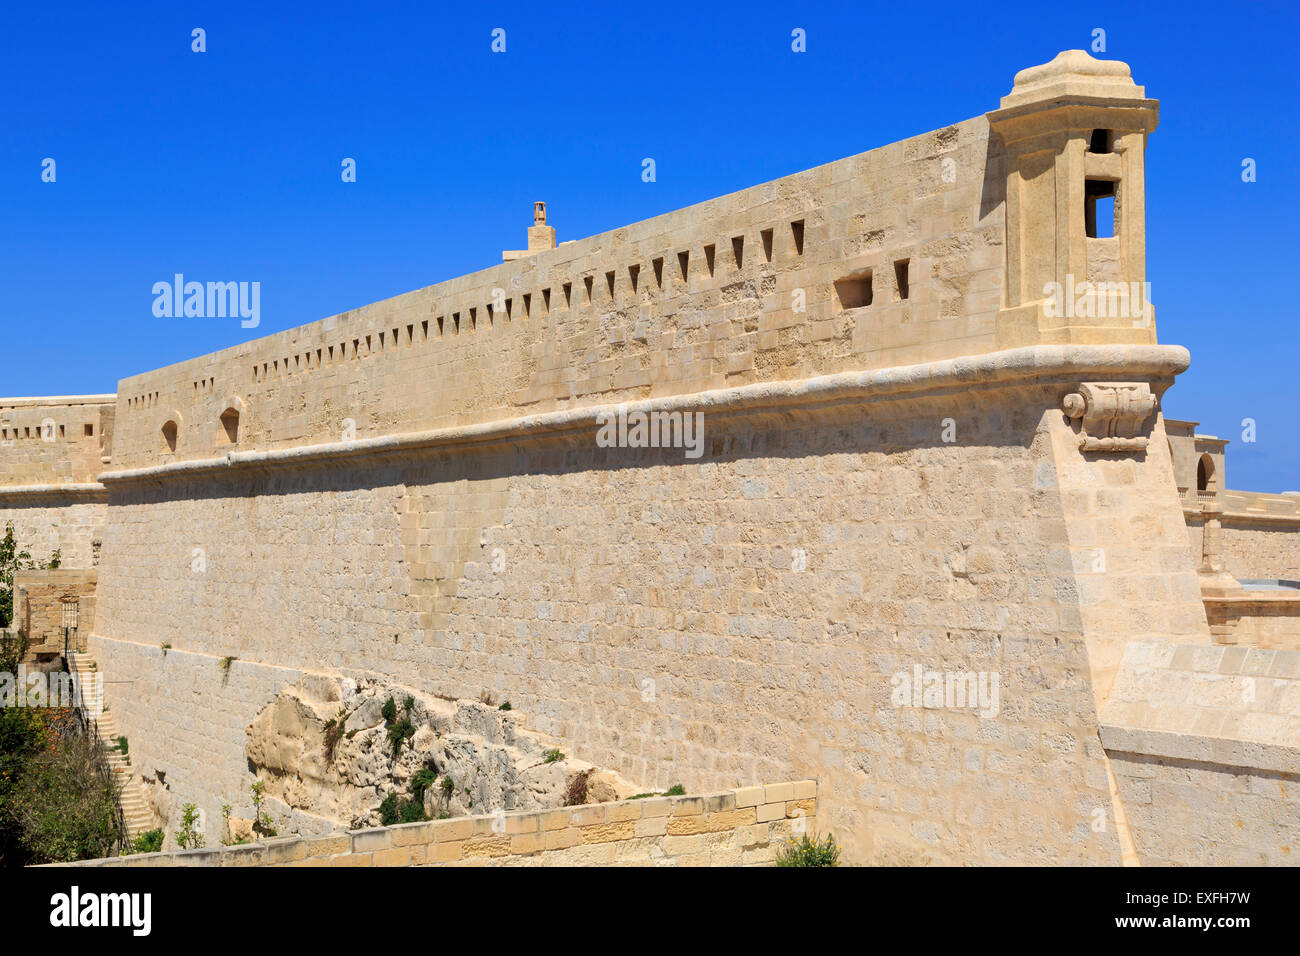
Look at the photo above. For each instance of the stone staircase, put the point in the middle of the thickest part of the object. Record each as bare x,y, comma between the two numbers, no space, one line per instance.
130,791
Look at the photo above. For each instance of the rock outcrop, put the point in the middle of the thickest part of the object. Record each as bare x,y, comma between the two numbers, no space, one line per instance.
337,748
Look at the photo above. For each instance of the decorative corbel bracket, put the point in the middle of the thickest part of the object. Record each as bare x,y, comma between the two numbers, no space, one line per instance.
1112,413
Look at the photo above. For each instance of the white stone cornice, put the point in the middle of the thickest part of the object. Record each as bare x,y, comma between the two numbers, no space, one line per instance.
1020,367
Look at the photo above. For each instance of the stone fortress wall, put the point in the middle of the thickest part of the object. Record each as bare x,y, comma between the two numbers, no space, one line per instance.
912,464
51,453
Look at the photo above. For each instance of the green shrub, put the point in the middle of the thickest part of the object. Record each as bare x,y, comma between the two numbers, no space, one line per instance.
422,781
399,732
261,819
409,704
389,711
60,808
334,732
188,837
809,852
676,790
505,706
150,841
552,756
389,809
396,810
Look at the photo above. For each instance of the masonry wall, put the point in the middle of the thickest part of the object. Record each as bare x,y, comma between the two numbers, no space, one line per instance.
51,452
1268,619
742,827
186,720
54,441
38,605
1202,741
449,354
1253,549
648,611
68,522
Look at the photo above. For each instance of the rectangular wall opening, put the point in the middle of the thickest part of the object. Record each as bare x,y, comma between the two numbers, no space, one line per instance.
900,277
738,250
589,281
854,291
633,273
796,232
767,244
683,263
609,281
568,294
1099,208
708,257
659,272
528,304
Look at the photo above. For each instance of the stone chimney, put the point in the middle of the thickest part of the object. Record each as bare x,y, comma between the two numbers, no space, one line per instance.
540,236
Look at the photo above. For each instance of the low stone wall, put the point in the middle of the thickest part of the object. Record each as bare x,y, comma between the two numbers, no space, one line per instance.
741,827
38,605
1202,745
1252,618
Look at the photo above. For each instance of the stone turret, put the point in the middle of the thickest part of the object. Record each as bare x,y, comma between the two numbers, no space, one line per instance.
1074,132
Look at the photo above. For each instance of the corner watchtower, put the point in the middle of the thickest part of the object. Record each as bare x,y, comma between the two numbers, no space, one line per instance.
1074,136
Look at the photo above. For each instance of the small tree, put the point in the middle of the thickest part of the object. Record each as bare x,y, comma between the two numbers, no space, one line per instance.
188,836
65,809
13,648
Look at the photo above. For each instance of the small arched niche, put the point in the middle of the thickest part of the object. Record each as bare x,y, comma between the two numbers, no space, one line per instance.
228,433
170,434
1206,479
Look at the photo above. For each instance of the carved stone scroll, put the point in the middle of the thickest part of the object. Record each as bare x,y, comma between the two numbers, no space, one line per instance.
1113,414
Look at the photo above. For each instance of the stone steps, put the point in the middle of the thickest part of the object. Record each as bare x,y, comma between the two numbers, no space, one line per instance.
131,795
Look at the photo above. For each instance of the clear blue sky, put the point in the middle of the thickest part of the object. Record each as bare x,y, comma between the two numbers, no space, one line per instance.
225,165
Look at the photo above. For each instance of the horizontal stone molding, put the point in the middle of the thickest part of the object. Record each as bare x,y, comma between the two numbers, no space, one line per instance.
1199,748
1010,368
90,491
107,399
1232,519
744,826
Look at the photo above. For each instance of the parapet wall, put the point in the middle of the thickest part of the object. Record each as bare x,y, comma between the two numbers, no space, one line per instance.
734,291
51,453
740,827
54,441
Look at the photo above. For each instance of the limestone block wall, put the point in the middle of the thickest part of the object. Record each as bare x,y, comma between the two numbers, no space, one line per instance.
737,290
737,618
54,441
186,717
741,827
1136,578
1255,549
48,519
1202,741
1255,618
38,605
51,452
